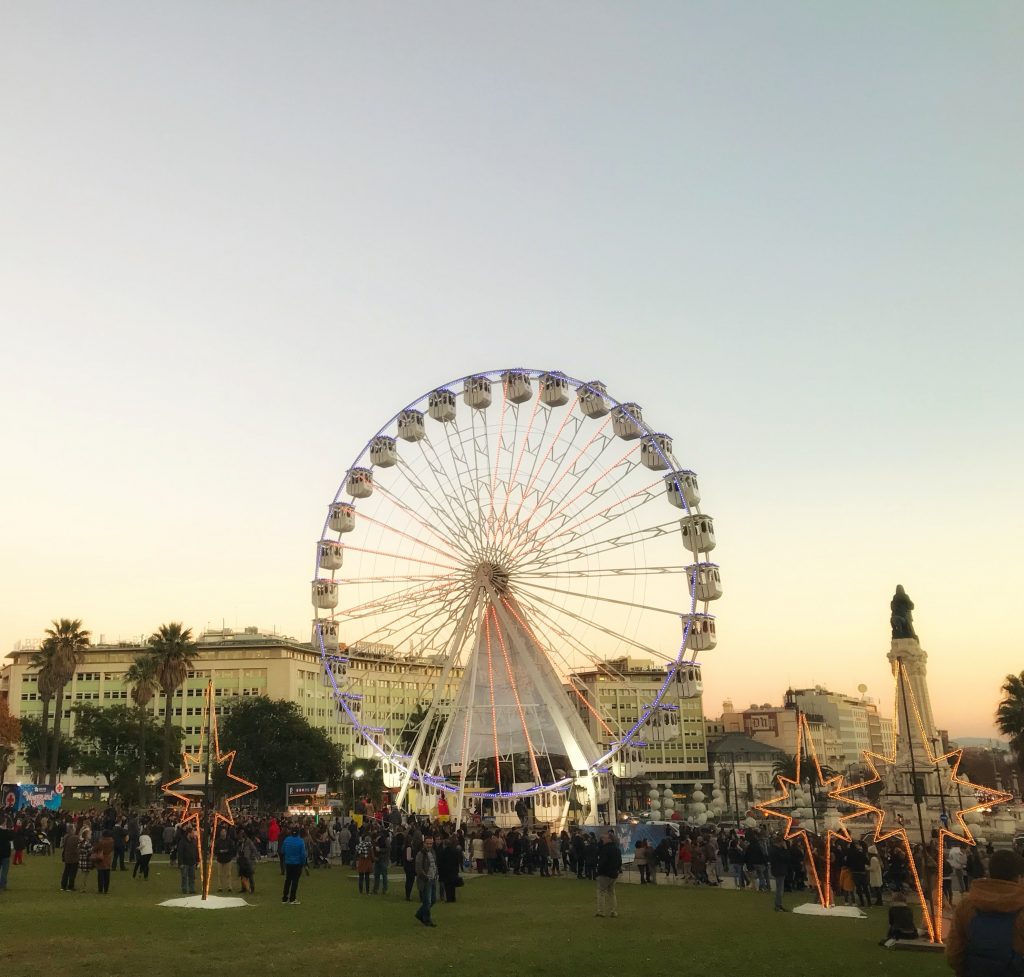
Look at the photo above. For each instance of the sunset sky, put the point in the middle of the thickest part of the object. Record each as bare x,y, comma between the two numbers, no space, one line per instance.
239,237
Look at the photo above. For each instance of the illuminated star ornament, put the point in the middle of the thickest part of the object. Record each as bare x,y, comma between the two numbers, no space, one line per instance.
191,811
782,807
956,794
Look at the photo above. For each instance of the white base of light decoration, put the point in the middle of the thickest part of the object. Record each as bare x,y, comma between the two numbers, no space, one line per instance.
210,902
813,909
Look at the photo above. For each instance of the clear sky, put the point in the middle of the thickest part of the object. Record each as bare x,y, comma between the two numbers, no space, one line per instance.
238,237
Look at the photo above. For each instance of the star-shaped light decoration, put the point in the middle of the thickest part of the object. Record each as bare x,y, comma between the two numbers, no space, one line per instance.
223,813
982,797
777,808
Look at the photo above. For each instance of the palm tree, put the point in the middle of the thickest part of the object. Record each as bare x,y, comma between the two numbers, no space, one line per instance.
786,767
69,642
42,662
174,652
1010,714
141,676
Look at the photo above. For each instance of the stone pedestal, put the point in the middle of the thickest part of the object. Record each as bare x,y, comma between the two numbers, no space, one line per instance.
915,661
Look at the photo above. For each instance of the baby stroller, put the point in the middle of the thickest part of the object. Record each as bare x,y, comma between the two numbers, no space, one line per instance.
39,844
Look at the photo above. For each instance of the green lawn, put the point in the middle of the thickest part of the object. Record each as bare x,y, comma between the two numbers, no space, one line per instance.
500,926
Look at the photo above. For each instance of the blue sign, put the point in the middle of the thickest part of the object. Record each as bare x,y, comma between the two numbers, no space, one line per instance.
29,795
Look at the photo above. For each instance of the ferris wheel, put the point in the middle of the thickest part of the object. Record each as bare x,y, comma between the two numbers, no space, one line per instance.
519,537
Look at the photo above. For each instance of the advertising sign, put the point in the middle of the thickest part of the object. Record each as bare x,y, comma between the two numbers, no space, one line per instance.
29,795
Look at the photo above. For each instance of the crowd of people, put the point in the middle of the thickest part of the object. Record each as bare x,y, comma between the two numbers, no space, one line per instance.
435,855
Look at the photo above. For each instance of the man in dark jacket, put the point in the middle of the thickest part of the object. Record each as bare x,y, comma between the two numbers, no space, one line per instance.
756,860
609,865
224,851
778,863
987,935
188,859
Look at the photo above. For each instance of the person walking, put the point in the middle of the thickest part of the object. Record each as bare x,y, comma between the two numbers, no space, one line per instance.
70,853
426,879
143,854
778,864
188,859
103,859
609,865
293,850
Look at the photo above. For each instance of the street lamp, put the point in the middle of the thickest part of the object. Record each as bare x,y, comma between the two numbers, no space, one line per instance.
357,774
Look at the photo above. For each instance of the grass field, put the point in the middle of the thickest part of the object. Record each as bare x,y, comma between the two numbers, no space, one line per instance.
500,926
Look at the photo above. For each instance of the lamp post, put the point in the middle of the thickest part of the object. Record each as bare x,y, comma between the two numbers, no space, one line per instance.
357,774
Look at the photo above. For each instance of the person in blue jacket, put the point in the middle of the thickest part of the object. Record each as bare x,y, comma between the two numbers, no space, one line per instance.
294,853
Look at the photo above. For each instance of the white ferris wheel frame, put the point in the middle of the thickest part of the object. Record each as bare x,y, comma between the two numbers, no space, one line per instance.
407,764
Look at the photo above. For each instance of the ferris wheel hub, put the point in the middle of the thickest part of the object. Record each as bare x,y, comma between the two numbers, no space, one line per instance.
494,576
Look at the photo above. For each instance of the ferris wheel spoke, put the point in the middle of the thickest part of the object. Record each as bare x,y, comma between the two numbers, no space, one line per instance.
639,645
604,600
645,571
455,488
573,529
458,533
390,528
398,578
538,466
514,471
430,591
469,484
415,516
401,556
623,541
497,460
588,491
577,467
405,621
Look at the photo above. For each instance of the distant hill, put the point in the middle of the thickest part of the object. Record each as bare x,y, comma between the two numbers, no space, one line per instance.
986,743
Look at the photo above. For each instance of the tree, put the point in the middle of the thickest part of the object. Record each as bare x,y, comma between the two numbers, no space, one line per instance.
111,744
276,745
10,737
69,641
412,729
46,683
1010,714
174,652
141,676
786,767
33,733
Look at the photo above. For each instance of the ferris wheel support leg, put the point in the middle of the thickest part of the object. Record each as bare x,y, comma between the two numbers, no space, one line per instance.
451,655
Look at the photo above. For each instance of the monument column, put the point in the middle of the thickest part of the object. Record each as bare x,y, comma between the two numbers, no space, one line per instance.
906,648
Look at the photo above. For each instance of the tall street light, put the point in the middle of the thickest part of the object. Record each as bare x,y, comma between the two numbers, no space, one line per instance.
357,774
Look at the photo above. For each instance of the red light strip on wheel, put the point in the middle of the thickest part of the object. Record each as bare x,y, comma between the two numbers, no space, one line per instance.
515,694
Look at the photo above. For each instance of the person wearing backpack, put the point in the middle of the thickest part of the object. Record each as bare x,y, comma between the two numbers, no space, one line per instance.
986,938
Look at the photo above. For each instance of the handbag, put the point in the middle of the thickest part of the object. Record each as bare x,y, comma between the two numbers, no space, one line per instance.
459,881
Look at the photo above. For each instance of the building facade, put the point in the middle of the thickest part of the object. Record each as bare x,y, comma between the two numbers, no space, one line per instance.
240,664
611,700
